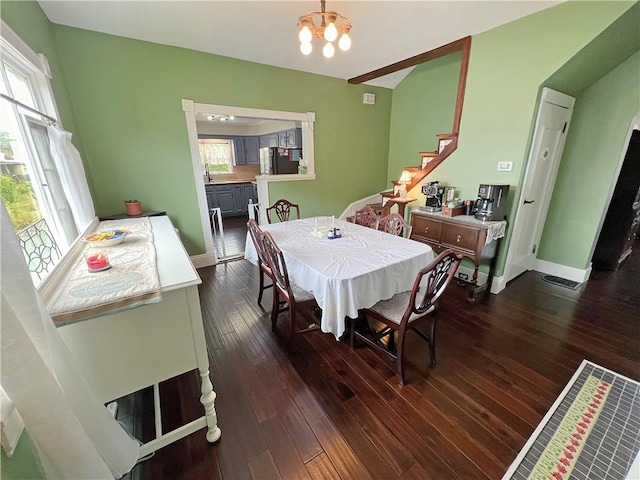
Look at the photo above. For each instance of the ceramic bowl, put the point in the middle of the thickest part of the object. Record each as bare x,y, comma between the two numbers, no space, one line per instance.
108,238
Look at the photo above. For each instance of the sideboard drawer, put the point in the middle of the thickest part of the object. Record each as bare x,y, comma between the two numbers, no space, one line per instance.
460,236
427,228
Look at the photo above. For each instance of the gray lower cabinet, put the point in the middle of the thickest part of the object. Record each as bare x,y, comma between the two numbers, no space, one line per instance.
225,199
211,196
243,194
233,199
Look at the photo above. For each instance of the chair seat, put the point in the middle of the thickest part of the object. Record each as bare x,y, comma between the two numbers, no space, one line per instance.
394,308
300,294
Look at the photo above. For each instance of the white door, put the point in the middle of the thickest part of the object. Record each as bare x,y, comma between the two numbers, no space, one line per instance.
549,137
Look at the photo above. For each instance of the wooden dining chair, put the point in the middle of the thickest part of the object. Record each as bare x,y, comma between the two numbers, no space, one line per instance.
395,225
367,217
263,265
408,310
282,209
292,295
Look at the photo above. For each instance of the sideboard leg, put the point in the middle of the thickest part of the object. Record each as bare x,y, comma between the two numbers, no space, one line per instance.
474,284
208,399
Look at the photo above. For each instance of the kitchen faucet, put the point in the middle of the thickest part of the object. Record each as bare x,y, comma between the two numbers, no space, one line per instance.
206,172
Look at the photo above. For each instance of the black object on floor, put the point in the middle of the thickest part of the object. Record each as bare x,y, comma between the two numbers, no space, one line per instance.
563,282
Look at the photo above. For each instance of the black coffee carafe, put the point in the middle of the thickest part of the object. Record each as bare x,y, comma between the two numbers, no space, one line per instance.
491,203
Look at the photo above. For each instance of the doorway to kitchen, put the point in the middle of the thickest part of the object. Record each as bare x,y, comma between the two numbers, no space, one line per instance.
248,164
229,236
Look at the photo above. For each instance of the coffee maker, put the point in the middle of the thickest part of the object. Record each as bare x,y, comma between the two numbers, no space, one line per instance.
434,193
491,204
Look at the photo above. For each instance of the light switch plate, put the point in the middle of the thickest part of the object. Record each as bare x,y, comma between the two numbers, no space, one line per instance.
505,166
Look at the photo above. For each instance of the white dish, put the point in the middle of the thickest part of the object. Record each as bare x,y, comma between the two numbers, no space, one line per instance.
110,241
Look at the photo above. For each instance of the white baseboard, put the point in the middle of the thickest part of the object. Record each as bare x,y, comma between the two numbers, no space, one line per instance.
468,271
570,273
497,285
203,260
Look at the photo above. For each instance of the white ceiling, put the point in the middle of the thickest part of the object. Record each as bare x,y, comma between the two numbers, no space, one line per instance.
384,32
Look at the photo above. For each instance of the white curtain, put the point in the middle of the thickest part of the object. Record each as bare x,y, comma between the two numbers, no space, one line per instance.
75,435
74,181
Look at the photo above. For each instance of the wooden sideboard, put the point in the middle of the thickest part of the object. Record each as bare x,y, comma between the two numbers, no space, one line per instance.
463,234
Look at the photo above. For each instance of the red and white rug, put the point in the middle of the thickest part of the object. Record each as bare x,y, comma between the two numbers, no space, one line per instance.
591,432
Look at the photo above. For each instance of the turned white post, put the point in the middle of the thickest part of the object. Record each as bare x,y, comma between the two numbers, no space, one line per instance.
207,399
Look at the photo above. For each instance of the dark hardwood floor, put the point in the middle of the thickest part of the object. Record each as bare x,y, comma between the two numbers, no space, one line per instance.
235,234
327,411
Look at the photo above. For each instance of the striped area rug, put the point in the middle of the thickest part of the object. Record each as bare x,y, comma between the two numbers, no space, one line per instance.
591,432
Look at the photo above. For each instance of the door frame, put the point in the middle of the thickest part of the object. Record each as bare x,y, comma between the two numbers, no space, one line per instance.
190,108
634,125
563,100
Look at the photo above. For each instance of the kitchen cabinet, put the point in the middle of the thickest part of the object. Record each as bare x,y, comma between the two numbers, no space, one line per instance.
225,199
287,138
242,194
238,150
231,198
270,140
251,150
464,235
211,196
246,150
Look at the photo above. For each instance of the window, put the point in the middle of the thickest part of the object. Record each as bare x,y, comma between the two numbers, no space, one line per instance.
216,155
30,184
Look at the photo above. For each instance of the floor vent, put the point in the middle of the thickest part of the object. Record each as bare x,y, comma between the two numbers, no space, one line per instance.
563,282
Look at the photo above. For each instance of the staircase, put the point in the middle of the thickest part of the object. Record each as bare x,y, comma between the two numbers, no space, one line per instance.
447,142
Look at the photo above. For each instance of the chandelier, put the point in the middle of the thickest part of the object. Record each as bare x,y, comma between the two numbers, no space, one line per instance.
331,25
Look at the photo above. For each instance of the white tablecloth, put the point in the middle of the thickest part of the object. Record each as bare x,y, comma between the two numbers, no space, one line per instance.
348,273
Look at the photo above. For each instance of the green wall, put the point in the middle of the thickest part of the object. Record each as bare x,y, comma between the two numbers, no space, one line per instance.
126,95
121,100
595,144
423,105
507,66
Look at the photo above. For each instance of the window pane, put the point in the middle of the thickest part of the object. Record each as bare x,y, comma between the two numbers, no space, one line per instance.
29,183
17,190
54,184
20,86
216,155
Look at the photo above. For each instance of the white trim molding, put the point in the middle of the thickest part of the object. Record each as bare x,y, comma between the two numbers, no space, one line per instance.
203,260
190,109
498,284
579,275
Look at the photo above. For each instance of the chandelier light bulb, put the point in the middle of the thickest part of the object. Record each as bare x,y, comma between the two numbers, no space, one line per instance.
330,32
305,35
345,42
328,50
329,26
306,48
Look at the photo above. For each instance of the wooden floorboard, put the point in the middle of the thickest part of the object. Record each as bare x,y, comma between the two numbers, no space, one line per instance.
325,411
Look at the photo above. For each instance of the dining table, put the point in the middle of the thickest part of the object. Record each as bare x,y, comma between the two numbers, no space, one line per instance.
348,273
